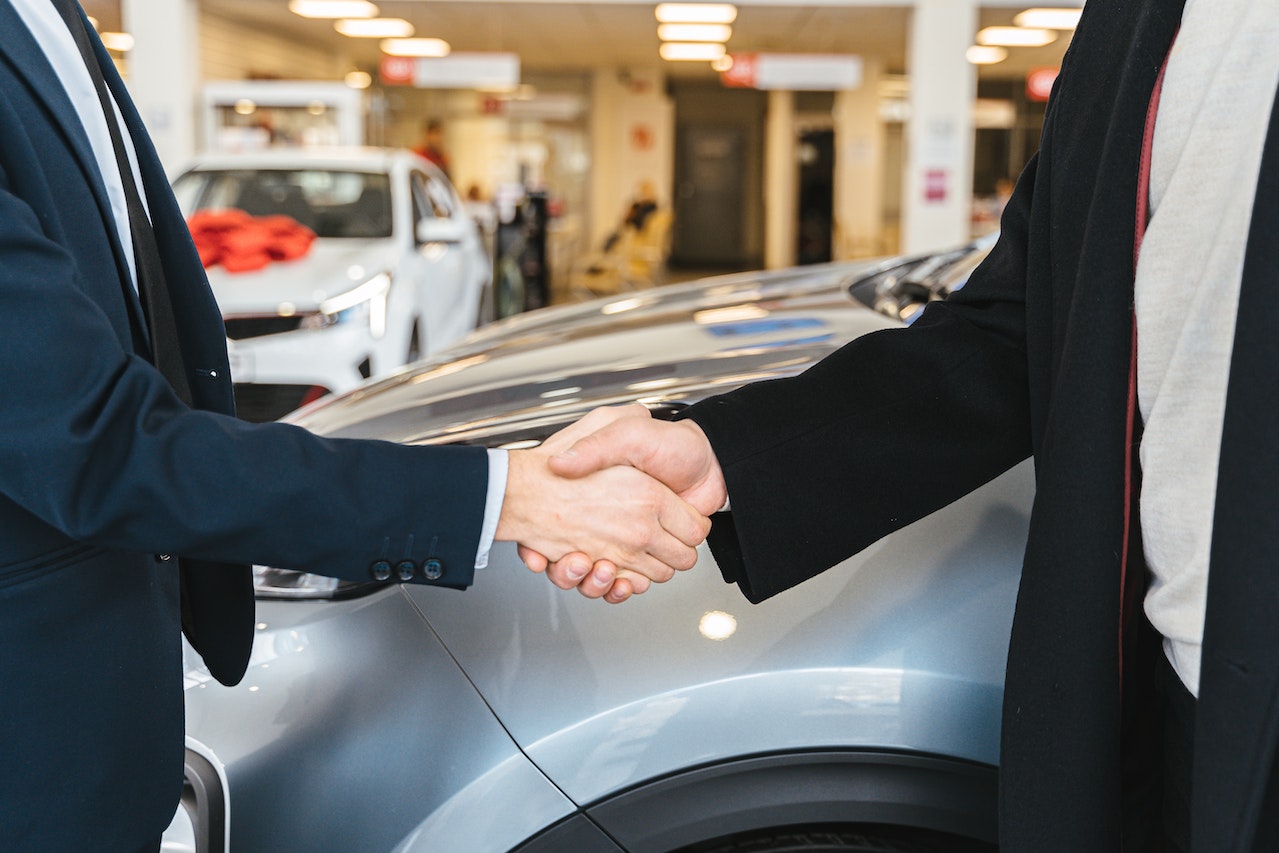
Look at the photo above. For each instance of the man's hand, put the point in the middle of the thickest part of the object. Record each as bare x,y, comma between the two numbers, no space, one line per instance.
676,453
620,516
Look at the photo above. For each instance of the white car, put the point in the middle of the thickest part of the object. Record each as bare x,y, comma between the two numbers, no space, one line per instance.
397,270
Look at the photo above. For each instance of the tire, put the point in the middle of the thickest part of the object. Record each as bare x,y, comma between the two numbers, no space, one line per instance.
840,839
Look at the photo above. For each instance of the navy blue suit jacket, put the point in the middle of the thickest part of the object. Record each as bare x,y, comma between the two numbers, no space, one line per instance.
102,468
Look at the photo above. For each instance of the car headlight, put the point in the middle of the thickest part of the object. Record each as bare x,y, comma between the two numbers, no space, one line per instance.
285,583
365,303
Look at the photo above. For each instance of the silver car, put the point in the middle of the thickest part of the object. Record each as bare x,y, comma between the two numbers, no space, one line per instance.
859,711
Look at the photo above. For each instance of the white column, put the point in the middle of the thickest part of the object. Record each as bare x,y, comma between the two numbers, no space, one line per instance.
164,74
780,181
937,192
859,166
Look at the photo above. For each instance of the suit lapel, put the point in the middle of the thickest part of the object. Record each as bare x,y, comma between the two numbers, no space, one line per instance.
1236,721
29,63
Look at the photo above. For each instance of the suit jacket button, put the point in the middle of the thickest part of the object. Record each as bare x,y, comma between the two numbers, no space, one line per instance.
406,569
432,569
381,570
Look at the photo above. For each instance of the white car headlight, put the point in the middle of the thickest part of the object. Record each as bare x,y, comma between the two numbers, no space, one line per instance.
365,303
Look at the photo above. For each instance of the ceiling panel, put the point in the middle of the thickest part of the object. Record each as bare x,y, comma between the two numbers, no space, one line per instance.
550,35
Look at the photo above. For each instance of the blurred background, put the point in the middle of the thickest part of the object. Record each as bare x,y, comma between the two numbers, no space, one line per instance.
659,142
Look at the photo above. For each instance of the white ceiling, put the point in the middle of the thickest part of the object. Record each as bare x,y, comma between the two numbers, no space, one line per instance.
563,36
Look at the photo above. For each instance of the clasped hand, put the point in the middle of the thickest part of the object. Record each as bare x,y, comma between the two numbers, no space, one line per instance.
613,503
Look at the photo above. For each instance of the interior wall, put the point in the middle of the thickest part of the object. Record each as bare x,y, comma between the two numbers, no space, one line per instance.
711,103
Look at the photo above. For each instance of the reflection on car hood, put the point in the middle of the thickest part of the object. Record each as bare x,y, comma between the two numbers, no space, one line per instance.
667,345
602,699
331,267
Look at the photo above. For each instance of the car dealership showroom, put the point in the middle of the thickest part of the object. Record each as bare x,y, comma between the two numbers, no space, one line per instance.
465,225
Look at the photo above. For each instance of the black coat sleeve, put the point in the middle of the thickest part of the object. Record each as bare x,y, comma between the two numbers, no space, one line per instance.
882,432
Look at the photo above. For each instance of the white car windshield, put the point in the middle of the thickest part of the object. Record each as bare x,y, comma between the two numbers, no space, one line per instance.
330,203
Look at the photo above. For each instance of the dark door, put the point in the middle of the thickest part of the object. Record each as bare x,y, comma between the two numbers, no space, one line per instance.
816,196
710,205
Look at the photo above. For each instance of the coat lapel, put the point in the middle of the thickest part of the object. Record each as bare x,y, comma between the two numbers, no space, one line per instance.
1236,721
29,63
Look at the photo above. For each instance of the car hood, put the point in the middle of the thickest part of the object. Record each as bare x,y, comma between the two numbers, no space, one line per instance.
602,699
332,266
659,346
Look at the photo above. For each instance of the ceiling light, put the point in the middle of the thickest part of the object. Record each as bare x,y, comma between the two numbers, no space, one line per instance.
677,51
983,55
374,28
245,107
333,8
359,79
119,42
694,32
434,48
696,13
1049,19
1015,37
93,22
724,63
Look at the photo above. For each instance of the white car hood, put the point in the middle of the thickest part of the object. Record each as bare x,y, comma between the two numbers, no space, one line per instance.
333,266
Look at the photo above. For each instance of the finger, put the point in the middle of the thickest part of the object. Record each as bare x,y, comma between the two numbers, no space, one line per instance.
620,591
637,582
569,571
536,562
600,580
656,568
683,521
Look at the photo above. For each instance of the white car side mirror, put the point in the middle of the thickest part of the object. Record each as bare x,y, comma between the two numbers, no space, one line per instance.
440,230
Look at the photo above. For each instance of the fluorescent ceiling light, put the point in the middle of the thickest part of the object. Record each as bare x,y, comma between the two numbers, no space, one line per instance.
374,28
1049,19
434,48
724,63
984,55
696,13
1015,37
119,42
694,32
359,79
678,51
333,8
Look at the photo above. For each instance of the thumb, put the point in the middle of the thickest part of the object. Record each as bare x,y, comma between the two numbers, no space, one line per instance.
604,448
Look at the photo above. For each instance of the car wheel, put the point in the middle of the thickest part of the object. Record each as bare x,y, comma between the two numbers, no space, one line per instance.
837,840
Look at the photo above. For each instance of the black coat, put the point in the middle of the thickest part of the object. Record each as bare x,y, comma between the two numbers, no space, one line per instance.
1032,357
102,468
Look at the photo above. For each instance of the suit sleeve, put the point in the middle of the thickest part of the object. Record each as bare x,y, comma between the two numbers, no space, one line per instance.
880,433
94,443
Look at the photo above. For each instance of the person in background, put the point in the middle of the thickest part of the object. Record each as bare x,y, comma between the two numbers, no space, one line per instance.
643,206
431,145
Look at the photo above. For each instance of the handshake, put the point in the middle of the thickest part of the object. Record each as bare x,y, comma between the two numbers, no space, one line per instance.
613,503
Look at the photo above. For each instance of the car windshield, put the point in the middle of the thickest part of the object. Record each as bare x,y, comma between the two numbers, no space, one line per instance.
330,203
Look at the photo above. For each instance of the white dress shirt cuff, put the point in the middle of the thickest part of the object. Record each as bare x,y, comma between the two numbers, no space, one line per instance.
492,505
